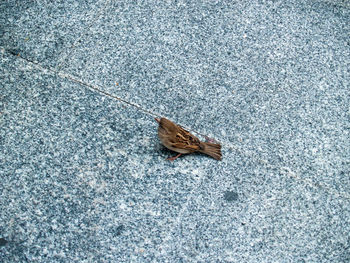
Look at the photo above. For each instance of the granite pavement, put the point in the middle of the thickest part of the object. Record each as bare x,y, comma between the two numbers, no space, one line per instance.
84,177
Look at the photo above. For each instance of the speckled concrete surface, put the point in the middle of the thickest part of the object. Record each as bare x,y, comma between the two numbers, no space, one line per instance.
281,73
41,31
84,178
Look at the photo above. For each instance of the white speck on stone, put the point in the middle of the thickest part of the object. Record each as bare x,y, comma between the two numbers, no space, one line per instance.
92,183
38,212
152,213
121,152
123,206
145,141
136,174
101,187
196,172
289,171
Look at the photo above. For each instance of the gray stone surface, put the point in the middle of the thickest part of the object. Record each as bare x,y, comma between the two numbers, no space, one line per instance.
84,177
41,31
273,82
79,169
272,218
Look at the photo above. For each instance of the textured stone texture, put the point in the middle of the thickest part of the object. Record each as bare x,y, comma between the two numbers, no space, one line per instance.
270,77
84,177
41,31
